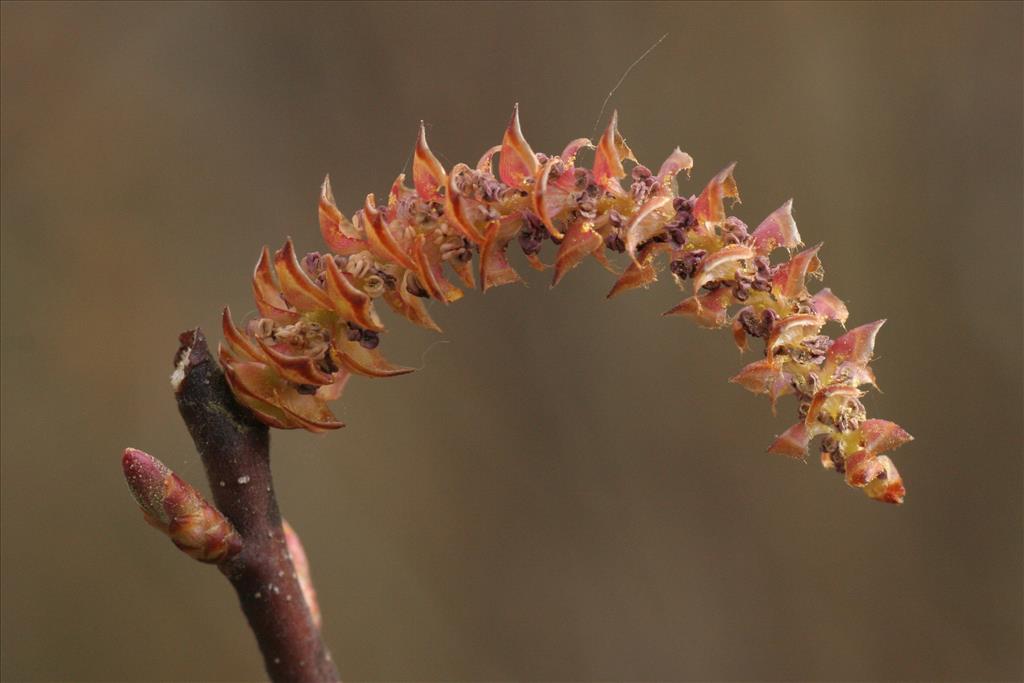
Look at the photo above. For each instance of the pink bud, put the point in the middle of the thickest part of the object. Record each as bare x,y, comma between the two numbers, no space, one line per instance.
302,574
171,505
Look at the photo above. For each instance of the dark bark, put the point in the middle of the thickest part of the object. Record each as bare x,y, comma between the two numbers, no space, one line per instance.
235,450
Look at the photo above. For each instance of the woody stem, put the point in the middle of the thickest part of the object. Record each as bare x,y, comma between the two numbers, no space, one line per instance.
235,450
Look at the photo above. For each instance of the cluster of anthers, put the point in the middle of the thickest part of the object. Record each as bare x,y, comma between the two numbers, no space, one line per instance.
318,324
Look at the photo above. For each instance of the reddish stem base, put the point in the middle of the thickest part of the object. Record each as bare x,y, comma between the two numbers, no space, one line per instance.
235,450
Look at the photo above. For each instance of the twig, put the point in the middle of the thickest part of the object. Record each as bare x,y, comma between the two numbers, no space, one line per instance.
235,450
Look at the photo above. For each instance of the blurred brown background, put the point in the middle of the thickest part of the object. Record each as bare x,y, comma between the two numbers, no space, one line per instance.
569,489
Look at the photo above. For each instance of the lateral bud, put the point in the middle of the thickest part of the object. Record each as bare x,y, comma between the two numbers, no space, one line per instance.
171,505
301,564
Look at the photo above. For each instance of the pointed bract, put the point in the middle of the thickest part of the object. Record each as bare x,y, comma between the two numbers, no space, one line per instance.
676,162
486,162
887,487
412,307
708,310
792,330
495,269
640,272
381,241
855,347
647,222
778,230
611,152
722,264
457,209
517,163
267,293
792,442
546,202
790,278
580,241
829,306
882,436
296,287
348,301
337,231
710,205
427,172
568,154
428,260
